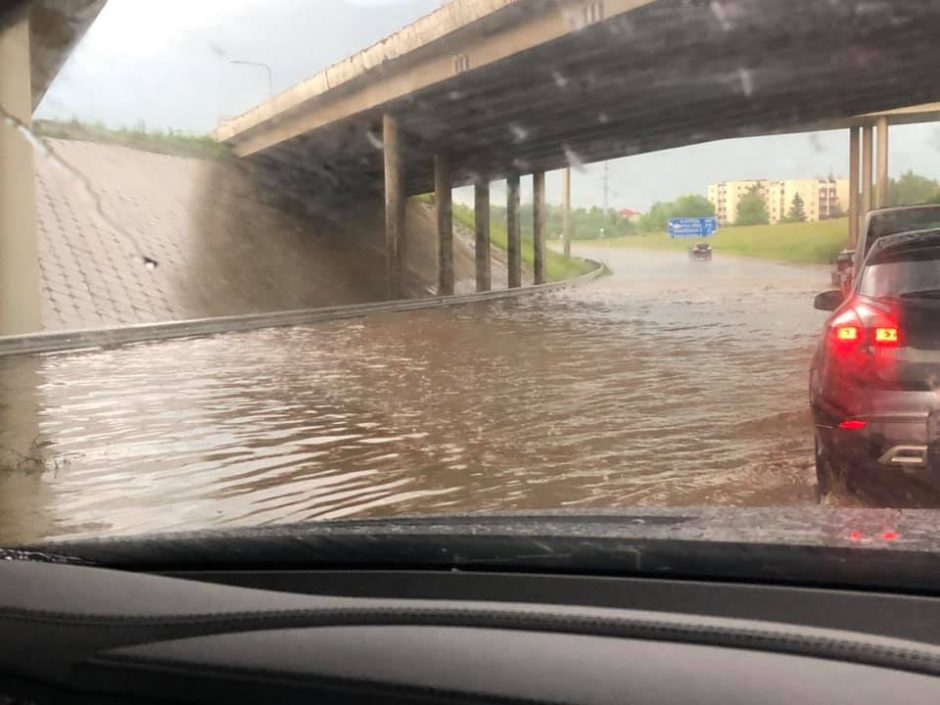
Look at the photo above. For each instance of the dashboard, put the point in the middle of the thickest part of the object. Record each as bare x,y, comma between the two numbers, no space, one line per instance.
81,633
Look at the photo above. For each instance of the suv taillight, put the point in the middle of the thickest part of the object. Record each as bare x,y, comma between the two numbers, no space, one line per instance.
864,328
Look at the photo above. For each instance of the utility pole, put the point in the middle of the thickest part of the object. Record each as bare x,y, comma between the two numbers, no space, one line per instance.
606,186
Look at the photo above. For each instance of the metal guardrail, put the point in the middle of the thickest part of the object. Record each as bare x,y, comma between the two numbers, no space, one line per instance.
86,339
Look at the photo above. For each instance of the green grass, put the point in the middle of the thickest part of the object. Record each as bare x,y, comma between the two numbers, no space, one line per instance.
557,268
804,243
173,143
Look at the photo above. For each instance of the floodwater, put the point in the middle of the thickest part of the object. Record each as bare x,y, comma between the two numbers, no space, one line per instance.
669,383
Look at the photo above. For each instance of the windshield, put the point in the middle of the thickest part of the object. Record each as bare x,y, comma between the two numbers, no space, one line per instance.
897,274
273,262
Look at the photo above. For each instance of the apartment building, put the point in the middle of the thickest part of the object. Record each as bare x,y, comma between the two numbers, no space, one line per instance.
726,196
822,198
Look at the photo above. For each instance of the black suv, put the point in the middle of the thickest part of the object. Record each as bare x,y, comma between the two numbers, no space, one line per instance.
875,377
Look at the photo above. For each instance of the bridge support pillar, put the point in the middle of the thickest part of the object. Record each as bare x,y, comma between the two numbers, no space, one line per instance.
394,207
513,232
538,225
566,214
853,186
19,247
867,167
481,208
881,188
443,182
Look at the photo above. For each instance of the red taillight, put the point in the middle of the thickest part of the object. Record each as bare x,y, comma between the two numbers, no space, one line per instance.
888,336
853,425
863,326
847,333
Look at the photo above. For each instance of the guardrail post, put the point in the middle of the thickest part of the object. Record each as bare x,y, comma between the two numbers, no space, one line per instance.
853,186
881,191
538,225
19,248
394,207
443,200
513,232
481,209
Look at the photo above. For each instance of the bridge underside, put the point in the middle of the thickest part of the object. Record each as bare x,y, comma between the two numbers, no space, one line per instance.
672,73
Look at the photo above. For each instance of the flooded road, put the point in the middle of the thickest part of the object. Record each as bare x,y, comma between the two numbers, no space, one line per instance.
668,383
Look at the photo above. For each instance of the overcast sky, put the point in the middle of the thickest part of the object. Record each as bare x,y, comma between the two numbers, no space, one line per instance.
166,64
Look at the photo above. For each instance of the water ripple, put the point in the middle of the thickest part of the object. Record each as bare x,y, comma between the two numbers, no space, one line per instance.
661,385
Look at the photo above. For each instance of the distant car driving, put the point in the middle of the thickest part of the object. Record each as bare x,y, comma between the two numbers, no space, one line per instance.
702,252
875,376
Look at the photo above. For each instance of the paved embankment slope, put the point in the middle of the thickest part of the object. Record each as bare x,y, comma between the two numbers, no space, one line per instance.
128,237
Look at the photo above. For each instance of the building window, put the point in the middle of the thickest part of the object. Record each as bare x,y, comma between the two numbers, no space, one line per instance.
593,12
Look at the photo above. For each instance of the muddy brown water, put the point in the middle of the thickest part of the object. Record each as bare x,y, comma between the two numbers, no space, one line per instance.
669,383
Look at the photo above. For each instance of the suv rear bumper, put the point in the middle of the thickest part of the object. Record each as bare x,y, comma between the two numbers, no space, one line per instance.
892,448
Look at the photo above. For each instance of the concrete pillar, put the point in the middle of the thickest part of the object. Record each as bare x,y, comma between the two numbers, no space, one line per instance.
394,207
853,185
445,226
513,232
867,162
566,214
19,250
481,208
881,190
538,225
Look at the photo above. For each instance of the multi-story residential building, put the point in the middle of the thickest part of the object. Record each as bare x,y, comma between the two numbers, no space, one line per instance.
726,196
822,198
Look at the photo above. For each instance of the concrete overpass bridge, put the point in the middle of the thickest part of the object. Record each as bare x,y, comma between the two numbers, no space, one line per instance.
488,89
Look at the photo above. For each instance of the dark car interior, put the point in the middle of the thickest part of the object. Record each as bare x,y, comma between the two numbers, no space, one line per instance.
477,613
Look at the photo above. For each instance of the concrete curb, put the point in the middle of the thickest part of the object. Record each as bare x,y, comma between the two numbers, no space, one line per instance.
86,339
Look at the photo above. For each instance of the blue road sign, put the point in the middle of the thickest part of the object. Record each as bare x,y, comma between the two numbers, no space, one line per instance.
692,227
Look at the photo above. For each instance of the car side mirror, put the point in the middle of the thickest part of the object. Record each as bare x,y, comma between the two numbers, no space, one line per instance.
829,300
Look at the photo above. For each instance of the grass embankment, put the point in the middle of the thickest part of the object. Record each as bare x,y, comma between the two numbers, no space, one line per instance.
557,268
804,243
176,144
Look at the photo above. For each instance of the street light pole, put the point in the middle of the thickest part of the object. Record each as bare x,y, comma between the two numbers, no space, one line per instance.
259,65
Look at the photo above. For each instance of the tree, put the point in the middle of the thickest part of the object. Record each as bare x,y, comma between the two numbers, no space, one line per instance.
796,214
912,189
657,219
693,206
689,206
752,209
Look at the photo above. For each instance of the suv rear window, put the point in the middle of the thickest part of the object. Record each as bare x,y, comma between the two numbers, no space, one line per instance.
897,272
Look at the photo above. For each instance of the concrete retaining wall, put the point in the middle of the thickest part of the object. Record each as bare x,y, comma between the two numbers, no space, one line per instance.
220,238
